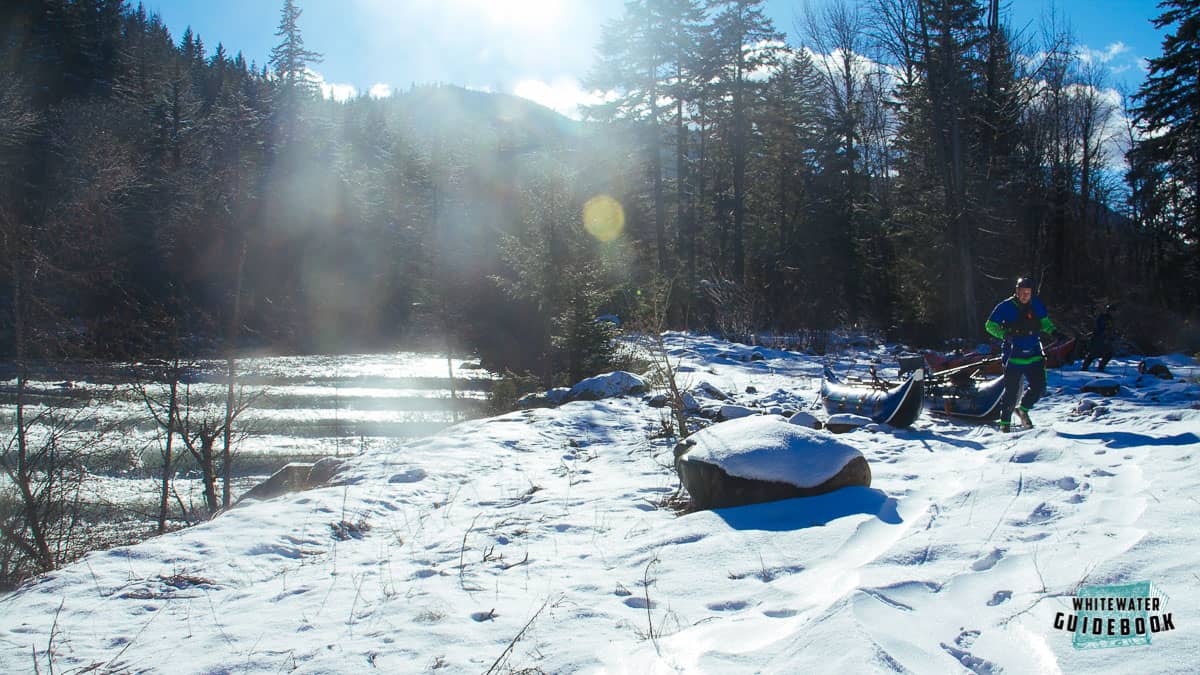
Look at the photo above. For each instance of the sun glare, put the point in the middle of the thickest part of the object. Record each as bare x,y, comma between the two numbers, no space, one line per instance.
520,14
603,217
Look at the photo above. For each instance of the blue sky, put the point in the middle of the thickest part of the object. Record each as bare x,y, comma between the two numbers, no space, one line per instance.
541,48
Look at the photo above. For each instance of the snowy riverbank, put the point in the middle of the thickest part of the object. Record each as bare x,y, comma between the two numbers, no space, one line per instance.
535,540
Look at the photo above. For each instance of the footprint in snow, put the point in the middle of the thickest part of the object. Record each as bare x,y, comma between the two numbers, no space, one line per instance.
287,594
729,606
988,561
999,597
966,638
1041,514
970,661
780,613
637,603
413,475
281,551
1028,457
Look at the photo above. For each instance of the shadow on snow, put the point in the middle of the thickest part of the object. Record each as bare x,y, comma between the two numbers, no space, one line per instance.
1125,439
805,512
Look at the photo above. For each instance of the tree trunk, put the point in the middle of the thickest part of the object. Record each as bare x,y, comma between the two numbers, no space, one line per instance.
168,455
231,361
660,211
39,547
208,470
739,178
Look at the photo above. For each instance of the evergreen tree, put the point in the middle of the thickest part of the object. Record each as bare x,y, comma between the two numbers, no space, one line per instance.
1169,115
747,42
290,59
294,83
645,58
939,133
791,121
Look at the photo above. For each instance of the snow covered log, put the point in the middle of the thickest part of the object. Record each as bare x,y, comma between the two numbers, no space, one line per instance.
762,459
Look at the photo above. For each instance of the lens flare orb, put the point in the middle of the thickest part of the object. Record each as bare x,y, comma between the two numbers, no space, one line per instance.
603,217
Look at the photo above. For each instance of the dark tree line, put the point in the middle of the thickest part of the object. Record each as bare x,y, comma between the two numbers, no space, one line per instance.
896,169
903,165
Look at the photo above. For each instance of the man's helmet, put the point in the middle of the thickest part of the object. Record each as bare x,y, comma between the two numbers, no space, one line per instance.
1026,282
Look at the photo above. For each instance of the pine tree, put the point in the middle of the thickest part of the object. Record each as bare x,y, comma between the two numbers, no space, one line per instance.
940,172
293,80
1169,116
747,42
290,59
791,121
646,59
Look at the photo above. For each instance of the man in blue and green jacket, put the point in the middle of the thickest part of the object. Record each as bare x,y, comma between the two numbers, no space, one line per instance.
1019,321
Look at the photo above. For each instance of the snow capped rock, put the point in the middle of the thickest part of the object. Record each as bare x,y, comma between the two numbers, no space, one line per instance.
618,383
710,390
1105,386
843,422
608,385
805,419
768,448
553,397
733,412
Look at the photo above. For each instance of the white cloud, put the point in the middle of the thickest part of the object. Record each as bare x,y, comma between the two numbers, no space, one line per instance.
338,91
563,95
1106,55
380,90
832,64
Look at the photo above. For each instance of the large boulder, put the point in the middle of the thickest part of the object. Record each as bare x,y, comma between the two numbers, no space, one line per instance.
1156,368
294,477
608,385
733,412
763,458
546,399
1103,386
805,419
710,390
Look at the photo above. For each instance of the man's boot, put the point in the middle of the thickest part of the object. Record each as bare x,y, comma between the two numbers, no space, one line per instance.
1023,415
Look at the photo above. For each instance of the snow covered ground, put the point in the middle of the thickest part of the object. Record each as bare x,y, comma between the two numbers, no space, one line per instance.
535,540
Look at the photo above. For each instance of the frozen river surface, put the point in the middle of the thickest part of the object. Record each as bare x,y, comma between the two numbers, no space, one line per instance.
299,406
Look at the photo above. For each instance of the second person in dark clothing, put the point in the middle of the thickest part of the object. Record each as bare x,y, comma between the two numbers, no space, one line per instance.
1100,346
1019,321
